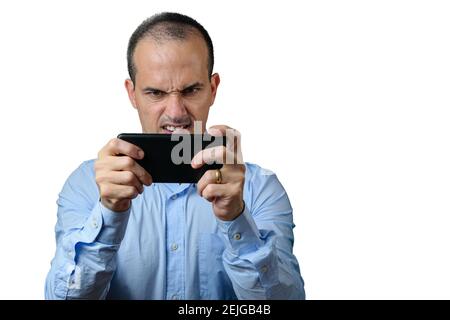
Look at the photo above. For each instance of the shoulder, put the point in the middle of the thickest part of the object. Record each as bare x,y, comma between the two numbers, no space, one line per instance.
260,180
88,166
263,192
257,176
81,182
84,171
254,170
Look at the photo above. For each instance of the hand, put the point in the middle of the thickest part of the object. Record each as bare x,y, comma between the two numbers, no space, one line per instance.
118,176
226,197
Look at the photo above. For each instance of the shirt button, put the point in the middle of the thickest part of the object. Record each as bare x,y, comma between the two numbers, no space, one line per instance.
237,236
173,197
174,247
264,269
174,297
94,224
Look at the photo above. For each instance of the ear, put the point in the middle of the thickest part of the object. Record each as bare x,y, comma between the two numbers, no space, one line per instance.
131,92
215,80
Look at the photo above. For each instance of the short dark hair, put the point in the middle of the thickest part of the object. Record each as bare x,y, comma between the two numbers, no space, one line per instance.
167,26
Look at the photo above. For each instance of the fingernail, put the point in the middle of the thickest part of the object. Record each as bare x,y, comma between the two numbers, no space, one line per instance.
195,163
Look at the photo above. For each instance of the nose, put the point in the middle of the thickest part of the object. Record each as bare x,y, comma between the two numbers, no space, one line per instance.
175,107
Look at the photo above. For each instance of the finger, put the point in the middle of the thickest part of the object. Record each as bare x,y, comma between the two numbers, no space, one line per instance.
209,177
214,191
121,147
125,163
228,175
208,156
117,191
234,145
131,165
218,130
233,138
126,178
142,174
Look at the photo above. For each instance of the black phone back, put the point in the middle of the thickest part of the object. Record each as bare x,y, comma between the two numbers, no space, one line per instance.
167,157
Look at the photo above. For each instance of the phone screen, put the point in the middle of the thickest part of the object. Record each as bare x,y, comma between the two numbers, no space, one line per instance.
168,156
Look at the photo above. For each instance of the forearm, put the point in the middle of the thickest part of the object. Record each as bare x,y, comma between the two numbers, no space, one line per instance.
260,264
85,258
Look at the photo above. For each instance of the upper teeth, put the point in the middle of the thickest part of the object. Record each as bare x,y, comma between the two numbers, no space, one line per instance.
172,128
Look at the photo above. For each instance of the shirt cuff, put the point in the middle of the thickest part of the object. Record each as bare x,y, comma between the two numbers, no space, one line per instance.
112,225
241,235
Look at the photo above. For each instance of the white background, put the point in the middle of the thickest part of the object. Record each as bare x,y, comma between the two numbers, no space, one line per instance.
347,101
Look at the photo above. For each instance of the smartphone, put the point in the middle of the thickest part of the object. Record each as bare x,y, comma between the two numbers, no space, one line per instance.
168,156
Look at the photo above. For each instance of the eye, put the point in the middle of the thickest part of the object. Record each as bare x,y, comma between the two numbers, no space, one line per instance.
155,93
190,91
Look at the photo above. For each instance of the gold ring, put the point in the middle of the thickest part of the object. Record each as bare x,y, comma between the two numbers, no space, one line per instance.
218,176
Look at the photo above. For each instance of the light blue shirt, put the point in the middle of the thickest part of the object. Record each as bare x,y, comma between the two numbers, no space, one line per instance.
170,245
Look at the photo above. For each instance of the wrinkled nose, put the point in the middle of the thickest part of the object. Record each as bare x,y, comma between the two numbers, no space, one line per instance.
174,106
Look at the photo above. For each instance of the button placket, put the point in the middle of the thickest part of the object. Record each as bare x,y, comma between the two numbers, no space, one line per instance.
174,246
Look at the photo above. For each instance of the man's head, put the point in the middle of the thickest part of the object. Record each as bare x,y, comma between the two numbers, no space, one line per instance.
170,62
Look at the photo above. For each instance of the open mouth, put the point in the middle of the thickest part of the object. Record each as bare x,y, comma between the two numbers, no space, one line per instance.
176,128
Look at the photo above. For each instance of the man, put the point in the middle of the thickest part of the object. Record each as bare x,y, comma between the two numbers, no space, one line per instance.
120,236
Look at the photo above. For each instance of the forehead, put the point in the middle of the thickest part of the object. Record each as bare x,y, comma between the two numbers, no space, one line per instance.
161,61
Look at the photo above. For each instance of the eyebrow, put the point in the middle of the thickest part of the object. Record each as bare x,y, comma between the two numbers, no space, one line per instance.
191,86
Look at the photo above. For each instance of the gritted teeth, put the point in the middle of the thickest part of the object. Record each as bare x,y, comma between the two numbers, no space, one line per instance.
174,128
